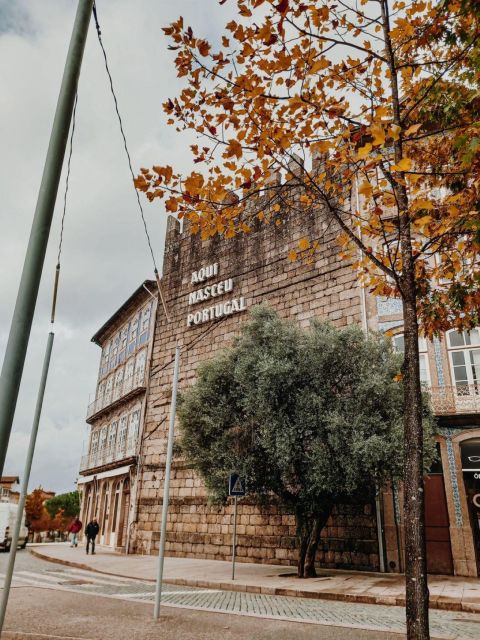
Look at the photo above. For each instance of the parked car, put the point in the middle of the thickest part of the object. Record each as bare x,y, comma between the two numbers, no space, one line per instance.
8,515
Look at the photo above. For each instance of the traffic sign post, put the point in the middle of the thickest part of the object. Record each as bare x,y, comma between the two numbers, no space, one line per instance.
236,488
234,542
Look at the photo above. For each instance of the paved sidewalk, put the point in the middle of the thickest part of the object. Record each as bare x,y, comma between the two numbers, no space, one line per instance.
446,592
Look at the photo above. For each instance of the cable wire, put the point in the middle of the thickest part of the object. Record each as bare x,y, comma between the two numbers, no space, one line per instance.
120,122
62,224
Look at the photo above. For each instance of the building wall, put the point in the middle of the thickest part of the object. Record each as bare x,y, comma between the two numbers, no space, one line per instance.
261,272
109,468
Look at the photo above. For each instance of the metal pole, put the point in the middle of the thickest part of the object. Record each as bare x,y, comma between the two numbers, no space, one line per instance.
166,486
234,543
381,546
37,245
25,480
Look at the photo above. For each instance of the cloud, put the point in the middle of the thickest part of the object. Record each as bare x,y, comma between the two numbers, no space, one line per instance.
105,255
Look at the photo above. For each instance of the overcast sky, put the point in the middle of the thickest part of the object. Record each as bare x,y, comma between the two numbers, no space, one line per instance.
105,256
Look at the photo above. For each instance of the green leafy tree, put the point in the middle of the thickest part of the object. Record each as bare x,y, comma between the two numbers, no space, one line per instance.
313,417
68,503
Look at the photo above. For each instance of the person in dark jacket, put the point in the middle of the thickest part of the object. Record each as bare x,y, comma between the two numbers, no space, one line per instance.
91,531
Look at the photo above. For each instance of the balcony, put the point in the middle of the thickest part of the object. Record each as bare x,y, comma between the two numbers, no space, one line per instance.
127,389
450,400
108,455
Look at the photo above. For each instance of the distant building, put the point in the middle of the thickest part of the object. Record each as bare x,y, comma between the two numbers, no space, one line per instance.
7,494
208,285
108,472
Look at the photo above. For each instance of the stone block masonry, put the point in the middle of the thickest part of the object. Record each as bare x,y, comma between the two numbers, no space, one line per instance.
208,286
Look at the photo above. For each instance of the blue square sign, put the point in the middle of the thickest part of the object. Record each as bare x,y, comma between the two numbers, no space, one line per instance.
236,485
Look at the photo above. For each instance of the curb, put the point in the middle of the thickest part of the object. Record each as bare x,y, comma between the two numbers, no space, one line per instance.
436,602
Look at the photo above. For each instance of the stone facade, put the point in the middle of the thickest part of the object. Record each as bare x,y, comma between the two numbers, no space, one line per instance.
232,276
260,271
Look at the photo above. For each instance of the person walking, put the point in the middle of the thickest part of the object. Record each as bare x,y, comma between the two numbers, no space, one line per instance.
91,531
74,529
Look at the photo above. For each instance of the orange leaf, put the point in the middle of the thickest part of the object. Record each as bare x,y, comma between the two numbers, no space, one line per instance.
203,47
394,132
234,149
171,204
364,151
166,172
303,244
378,134
422,204
405,164
366,189
413,129
292,255
194,183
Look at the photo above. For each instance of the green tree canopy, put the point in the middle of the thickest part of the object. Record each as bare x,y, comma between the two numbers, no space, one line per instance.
313,417
68,503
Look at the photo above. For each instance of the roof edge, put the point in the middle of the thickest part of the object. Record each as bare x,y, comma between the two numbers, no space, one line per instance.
136,294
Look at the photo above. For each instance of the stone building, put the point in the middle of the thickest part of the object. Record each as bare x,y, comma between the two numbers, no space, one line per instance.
208,287
109,469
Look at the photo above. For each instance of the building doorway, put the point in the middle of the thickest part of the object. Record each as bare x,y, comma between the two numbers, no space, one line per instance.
115,514
437,527
471,479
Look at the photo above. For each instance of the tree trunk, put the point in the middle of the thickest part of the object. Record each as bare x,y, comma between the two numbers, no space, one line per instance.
303,534
414,508
417,594
313,540
308,536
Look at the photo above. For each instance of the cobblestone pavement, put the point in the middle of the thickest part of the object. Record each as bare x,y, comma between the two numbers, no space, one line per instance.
444,624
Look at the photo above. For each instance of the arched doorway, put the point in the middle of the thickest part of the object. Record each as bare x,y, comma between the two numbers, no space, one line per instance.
104,533
115,513
123,515
470,452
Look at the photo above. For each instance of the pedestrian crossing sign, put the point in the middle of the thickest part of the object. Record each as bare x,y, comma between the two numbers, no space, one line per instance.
236,485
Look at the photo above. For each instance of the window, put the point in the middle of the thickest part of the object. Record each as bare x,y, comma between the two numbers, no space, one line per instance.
133,426
112,435
100,390
399,345
103,439
118,382
108,389
94,443
464,352
114,352
123,345
122,434
145,324
146,317
132,336
128,380
140,361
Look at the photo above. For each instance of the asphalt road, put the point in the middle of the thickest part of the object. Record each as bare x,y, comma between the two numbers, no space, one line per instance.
52,601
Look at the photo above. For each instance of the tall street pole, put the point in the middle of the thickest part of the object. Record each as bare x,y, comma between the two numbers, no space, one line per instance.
14,360
166,486
24,487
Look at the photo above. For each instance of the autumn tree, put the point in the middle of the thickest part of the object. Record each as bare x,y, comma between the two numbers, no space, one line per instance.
279,406
37,516
34,509
369,112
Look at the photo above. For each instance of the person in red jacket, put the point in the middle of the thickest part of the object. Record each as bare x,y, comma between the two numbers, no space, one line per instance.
74,529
